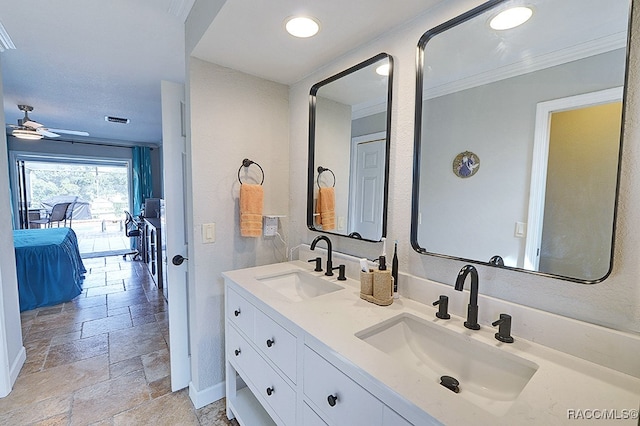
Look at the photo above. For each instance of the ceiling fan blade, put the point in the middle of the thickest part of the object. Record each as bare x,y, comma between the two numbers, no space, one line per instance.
31,124
70,132
46,132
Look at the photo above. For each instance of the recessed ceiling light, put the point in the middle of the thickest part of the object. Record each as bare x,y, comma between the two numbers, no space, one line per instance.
383,69
302,26
511,18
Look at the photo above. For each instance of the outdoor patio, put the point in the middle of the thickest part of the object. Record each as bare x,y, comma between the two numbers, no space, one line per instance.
98,237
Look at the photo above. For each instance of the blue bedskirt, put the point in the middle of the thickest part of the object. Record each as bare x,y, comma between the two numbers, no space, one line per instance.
50,270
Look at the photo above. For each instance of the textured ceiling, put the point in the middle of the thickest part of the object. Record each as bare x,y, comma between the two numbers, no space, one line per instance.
249,35
79,60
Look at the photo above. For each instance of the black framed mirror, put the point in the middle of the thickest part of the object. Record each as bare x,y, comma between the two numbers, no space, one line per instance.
518,137
349,142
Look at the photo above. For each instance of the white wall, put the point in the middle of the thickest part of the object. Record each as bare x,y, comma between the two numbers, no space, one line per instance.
232,116
12,353
614,303
497,122
333,151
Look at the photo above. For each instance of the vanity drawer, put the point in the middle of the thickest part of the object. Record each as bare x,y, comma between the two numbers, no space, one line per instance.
275,391
310,418
391,418
353,404
240,312
276,343
240,353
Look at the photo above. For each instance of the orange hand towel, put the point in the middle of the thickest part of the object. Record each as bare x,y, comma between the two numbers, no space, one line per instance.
251,200
326,208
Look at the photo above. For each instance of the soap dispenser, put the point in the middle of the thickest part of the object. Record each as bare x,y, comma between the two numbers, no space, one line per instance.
382,283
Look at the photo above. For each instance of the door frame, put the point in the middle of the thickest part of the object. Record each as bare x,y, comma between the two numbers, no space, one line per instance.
537,190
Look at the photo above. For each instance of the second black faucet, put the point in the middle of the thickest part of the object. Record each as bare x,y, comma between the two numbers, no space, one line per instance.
472,309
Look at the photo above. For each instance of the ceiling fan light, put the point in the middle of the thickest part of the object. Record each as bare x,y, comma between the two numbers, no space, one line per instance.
26,134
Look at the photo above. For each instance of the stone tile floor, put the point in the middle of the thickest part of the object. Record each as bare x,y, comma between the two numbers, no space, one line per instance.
102,359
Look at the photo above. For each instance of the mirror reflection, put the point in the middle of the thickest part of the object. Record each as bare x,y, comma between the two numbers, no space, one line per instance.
349,150
518,137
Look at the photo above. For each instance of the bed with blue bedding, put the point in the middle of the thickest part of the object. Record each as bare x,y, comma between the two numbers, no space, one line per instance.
50,270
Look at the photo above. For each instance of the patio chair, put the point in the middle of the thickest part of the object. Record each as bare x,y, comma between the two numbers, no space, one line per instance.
57,215
132,230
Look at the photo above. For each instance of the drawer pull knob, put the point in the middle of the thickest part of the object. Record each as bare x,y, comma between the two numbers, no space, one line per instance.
237,352
270,391
236,312
332,399
270,342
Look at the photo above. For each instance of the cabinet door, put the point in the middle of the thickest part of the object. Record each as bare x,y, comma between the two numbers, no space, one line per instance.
276,343
341,401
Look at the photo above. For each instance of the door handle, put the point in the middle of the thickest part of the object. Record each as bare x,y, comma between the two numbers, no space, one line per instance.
177,260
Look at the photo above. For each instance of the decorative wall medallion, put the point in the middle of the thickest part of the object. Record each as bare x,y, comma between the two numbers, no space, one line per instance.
466,164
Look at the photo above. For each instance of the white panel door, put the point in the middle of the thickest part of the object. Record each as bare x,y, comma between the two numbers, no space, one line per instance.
174,161
367,190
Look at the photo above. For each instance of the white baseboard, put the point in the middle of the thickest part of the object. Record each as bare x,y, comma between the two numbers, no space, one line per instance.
10,379
206,396
17,364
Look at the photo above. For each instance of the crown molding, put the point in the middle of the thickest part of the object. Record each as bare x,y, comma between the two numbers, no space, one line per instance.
537,63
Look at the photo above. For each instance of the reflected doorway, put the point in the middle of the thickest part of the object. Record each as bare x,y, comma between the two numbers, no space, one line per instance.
576,153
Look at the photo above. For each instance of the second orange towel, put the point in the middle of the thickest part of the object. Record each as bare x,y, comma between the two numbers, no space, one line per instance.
326,208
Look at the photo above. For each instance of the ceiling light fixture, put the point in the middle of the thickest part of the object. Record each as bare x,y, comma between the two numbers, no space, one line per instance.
27,134
383,69
511,18
302,26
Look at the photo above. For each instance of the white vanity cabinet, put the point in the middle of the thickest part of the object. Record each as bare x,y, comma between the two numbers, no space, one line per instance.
273,377
257,390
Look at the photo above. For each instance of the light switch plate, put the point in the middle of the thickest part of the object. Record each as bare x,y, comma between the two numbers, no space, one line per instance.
521,229
208,233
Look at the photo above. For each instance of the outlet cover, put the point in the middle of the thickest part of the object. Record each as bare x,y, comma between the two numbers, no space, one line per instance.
270,226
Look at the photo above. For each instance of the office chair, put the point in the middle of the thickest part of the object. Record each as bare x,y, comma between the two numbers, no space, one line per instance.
131,230
58,214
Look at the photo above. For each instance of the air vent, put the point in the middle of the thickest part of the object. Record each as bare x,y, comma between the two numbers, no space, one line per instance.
116,119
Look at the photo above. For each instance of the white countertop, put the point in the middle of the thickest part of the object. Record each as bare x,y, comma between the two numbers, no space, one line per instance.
563,389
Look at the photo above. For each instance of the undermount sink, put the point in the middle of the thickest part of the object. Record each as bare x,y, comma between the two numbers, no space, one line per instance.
488,377
299,285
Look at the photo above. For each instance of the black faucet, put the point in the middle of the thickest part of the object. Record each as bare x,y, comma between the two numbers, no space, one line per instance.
329,272
496,261
472,309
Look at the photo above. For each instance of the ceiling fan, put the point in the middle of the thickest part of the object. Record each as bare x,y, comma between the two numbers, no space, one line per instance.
32,130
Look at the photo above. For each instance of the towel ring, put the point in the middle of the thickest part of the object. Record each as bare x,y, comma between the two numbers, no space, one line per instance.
322,170
246,163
